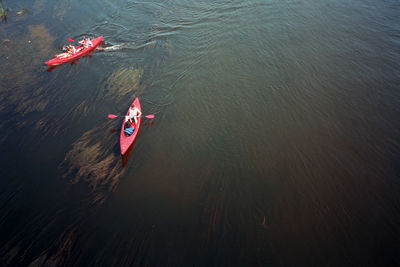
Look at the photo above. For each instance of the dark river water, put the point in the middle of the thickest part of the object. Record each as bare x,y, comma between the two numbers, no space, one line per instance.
276,138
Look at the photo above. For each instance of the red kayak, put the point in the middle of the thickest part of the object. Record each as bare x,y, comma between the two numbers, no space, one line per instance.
125,140
62,58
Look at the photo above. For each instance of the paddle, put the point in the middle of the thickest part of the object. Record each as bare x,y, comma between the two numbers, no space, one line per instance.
70,40
113,116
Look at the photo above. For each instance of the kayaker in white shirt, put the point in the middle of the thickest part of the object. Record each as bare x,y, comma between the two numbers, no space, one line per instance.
134,113
86,42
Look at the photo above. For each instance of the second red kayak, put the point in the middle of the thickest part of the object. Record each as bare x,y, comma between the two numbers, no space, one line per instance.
62,58
126,140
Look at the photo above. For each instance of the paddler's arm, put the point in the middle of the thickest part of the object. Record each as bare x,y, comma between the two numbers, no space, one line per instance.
139,114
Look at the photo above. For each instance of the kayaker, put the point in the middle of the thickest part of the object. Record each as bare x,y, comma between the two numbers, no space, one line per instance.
65,52
134,113
71,49
86,42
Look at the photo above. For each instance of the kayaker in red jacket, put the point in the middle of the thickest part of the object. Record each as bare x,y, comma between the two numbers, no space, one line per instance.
134,113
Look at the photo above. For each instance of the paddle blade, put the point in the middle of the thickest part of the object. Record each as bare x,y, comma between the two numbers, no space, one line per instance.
150,116
70,40
112,116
